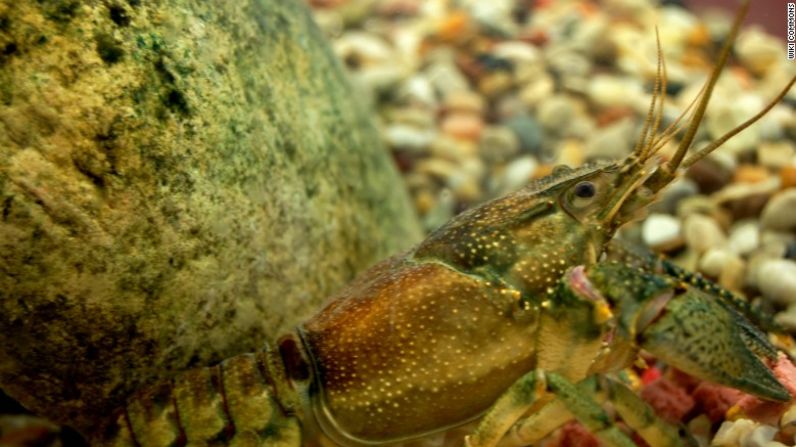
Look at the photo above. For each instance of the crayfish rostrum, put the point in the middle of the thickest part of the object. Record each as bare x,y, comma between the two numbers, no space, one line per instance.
509,313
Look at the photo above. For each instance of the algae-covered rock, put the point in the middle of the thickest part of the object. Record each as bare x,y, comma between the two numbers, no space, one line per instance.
179,180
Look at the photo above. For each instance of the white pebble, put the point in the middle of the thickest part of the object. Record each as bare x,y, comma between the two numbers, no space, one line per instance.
731,432
516,175
744,237
776,279
759,437
758,51
702,233
409,137
661,231
715,260
606,91
780,212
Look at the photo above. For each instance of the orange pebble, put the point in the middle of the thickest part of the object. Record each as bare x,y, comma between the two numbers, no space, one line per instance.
465,126
787,176
743,77
453,27
750,174
699,36
587,9
693,58
543,171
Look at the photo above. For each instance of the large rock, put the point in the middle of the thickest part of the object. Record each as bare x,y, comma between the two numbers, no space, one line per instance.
179,179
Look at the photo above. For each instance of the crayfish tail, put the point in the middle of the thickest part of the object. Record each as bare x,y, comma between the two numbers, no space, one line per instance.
231,402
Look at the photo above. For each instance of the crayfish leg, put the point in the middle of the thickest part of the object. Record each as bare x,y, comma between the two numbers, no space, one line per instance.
527,391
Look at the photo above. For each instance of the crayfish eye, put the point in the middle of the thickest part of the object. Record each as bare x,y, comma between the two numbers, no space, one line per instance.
585,190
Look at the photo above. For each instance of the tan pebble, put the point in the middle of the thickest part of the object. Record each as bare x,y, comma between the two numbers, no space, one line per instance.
776,279
494,84
787,320
750,174
731,432
714,260
744,237
424,201
787,176
787,422
498,144
702,232
613,114
454,149
543,171
464,101
437,167
779,212
700,428
466,126
758,51
776,154
732,274
533,93
570,152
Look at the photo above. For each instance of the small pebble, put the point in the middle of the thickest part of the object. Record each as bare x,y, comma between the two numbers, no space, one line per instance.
418,89
402,136
731,433
611,142
714,260
607,91
787,319
780,212
556,114
750,174
787,421
446,78
744,237
680,189
661,232
466,126
516,175
776,279
787,176
464,101
441,212
709,174
498,144
570,152
701,233
453,149
759,437
529,133
758,51
537,90
776,155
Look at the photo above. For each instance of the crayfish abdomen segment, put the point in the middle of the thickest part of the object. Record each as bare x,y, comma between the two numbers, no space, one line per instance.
233,403
413,351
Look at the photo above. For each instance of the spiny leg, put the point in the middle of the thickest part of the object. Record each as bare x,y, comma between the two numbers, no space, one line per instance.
526,391
639,416
537,425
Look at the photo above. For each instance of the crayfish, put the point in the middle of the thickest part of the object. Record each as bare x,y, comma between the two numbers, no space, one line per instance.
510,315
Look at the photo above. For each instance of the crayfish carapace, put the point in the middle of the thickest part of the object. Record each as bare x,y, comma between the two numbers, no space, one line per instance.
506,314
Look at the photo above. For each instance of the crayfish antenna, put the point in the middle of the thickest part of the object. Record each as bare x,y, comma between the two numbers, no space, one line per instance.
695,157
666,173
